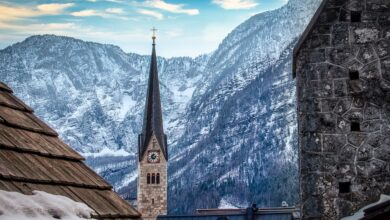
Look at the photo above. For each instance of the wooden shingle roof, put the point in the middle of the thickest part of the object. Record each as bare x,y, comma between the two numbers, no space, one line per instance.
32,157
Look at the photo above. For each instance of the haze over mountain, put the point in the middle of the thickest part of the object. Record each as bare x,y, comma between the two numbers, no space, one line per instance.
229,116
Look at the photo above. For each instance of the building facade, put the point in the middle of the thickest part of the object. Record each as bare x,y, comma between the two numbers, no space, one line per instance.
153,152
342,70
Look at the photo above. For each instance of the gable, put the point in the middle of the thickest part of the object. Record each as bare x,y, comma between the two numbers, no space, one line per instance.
306,33
150,146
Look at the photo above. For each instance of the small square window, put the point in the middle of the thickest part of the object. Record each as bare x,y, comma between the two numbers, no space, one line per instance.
355,126
356,16
343,15
344,187
354,75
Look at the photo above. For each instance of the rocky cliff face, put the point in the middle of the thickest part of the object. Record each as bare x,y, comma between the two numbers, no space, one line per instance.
229,116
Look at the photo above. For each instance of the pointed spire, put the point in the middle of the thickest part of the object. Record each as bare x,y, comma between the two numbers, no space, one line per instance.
154,36
153,122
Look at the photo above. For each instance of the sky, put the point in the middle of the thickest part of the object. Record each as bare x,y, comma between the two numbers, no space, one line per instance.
185,27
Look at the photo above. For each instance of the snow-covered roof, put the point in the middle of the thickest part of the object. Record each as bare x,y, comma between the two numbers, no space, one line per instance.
41,206
32,157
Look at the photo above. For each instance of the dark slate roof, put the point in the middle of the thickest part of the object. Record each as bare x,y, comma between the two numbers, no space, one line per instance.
153,122
380,211
32,157
282,213
306,33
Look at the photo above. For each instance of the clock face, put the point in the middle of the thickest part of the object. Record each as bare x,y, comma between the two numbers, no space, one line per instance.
153,157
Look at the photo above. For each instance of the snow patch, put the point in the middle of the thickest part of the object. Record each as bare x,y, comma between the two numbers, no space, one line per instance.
41,206
224,204
127,104
105,152
127,180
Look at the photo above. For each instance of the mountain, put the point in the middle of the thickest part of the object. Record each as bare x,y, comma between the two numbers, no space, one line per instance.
229,116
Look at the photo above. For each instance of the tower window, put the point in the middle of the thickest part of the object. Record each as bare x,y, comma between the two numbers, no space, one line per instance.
153,178
148,179
353,75
152,201
343,15
356,16
158,178
344,187
355,126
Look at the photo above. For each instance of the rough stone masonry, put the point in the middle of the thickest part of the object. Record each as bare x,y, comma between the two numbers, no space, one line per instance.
342,67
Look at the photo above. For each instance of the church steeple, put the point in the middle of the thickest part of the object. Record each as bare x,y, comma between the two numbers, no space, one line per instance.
153,122
152,192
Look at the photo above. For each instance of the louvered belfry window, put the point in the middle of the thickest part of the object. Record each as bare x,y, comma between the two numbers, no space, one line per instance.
158,178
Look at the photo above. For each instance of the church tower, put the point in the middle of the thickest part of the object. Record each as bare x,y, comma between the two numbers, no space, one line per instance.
152,151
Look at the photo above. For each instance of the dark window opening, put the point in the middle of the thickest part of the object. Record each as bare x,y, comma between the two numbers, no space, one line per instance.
158,178
356,16
152,201
344,187
355,126
354,75
148,179
153,178
343,15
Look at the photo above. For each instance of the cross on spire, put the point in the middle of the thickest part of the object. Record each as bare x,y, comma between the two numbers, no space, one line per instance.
154,30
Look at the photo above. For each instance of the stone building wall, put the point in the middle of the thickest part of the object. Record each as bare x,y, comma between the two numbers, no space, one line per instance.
343,88
152,198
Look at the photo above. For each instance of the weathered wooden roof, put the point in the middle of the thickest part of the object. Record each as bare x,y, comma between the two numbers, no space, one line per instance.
32,157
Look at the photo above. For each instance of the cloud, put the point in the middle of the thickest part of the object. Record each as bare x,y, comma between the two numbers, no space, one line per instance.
116,1
173,33
235,4
10,13
86,13
154,14
115,10
108,13
174,8
38,28
54,8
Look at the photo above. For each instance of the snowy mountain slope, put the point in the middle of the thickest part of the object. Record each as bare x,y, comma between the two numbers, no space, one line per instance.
250,151
229,116
242,143
93,94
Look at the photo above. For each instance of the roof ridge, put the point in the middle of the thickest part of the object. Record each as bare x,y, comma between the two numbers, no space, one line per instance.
39,153
53,182
15,107
40,131
4,87
309,28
